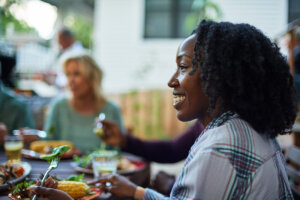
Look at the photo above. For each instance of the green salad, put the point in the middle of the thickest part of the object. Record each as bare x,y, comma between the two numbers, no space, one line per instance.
86,161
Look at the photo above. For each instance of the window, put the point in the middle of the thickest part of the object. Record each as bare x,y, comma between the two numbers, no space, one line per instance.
169,18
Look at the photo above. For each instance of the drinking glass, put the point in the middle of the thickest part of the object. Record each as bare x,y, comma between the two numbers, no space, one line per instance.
13,146
104,162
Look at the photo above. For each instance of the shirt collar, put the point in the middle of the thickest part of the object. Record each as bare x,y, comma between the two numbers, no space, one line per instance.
218,121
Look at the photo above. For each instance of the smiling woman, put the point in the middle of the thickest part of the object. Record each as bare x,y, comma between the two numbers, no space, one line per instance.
235,81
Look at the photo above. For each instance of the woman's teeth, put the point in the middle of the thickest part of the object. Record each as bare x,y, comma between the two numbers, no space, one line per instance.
177,99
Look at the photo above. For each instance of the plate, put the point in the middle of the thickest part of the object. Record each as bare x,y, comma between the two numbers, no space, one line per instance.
29,154
27,170
139,164
97,192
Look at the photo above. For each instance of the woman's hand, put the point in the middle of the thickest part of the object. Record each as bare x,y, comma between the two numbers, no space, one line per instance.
112,134
44,193
117,185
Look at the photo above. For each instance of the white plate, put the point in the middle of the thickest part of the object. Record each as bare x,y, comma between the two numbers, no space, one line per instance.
27,168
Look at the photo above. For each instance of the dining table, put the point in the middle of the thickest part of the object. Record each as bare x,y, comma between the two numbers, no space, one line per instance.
65,169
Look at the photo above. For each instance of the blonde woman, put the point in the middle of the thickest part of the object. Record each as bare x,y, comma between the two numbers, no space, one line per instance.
72,117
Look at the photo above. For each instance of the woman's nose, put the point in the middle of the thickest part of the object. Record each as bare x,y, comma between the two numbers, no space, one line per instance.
173,82
70,79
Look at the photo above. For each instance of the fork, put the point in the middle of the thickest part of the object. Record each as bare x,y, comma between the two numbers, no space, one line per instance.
53,165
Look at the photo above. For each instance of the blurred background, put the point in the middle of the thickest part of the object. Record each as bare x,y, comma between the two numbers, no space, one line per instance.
134,41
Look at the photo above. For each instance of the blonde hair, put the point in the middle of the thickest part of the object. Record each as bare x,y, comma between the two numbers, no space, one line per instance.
91,71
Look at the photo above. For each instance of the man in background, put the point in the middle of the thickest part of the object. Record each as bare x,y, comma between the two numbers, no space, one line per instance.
68,46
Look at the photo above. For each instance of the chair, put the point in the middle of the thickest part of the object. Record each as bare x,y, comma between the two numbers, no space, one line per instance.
292,168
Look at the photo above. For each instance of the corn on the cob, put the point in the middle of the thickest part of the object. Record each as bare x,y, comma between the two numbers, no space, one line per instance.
40,146
74,189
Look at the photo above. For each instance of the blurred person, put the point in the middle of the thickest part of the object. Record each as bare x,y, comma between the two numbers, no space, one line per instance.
68,46
236,82
14,114
72,116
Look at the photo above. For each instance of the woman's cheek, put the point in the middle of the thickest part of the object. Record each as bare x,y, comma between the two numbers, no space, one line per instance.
181,77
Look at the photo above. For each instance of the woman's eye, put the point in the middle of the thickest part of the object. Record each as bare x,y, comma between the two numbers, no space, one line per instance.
77,74
182,67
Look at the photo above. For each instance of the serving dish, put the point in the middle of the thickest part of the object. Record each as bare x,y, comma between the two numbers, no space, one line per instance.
27,170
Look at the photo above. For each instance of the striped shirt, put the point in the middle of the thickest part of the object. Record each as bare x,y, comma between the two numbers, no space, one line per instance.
230,160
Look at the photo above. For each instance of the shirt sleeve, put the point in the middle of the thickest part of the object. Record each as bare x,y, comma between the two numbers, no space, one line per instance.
24,117
153,195
170,151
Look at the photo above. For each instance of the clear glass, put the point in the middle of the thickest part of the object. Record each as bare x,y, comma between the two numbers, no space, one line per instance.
13,146
104,162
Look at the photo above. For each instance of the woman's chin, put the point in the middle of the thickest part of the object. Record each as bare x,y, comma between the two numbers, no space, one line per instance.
183,117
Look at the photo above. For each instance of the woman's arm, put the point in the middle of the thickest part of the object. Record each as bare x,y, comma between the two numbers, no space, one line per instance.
165,151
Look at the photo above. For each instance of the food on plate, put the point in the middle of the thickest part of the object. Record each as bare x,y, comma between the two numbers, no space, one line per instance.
74,189
55,153
73,185
53,159
20,191
9,171
86,161
125,164
45,147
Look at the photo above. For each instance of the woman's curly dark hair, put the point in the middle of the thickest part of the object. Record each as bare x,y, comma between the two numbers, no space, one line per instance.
245,72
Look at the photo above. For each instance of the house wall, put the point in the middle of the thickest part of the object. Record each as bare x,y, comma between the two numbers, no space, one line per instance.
271,16
131,62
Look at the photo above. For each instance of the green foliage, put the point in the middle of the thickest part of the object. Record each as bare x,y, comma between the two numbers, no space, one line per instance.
8,18
82,29
202,9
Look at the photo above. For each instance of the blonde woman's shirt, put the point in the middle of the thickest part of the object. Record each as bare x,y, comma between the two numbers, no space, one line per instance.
64,123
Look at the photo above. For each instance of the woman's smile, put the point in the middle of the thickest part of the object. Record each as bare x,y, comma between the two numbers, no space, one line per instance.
178,99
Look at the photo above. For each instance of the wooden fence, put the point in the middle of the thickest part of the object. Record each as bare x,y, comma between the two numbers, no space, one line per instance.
149,114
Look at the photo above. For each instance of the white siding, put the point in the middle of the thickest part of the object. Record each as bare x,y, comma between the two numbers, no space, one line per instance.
268,15
131,62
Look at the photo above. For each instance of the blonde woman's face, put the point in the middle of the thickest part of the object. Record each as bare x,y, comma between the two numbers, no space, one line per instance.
77,82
